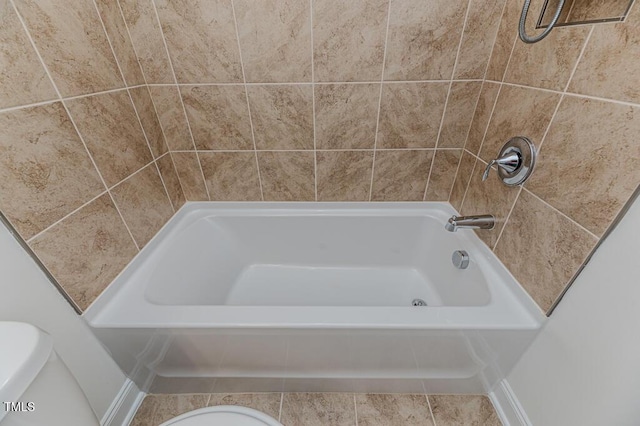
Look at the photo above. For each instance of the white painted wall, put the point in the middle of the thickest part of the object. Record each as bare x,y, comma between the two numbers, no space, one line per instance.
584,367
27,295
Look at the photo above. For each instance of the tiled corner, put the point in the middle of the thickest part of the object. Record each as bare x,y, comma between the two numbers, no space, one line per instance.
282,116
349,39
146,36
287,176
554,248
219,117
401,175
600,138
73,45
413,26
410,114
190,175
118,35
505,39
344,175
231,176
463,410
144,203
398,409
481,27
318,409
149,120
275,40
24,80
461,182
171,181
202,41
457,118
112,132
443,174
518,112
172,117
346,115
481,116
45,171
86,250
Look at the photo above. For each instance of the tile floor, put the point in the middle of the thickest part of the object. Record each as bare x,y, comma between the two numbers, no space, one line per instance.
333,409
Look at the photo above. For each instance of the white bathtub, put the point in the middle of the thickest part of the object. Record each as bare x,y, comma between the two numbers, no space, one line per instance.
315,297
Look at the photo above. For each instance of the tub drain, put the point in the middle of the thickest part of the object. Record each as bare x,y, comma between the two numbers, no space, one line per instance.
418,302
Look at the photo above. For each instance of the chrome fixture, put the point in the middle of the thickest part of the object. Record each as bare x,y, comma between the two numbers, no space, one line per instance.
460,259
418,302
515,161
485,221
522,32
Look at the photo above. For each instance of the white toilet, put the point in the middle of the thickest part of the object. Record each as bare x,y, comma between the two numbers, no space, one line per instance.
36,388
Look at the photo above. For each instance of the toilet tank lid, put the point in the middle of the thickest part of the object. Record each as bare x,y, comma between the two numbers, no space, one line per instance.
24,351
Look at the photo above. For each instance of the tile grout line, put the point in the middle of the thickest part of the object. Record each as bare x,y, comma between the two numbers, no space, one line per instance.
321,150
446,102
375,137
246,93
313,106
281,403
433,418
133,104
506,219
321,83
146,84
495,39
184,109
155,109
57,90
355,408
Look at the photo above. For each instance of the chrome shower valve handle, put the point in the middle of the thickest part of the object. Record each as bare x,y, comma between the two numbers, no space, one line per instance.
515,161
508,162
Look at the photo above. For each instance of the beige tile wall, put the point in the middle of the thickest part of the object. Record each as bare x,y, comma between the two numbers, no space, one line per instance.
576,94
85,173
303,100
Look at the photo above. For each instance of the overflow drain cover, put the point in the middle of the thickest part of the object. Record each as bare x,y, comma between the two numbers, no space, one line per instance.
418,302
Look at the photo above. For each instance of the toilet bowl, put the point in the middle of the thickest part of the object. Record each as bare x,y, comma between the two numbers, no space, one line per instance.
223,415
32,372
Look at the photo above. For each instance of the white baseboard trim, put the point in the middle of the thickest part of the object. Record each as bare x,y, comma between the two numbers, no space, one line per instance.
507,406
124,405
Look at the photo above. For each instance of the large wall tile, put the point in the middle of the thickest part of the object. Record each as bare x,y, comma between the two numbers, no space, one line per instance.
149,120
87,250
112,132
275,39
443,174
481,116
457,119
449,410
506,37
73,44
282,116
489,197
146,36
219,116
410,114
344,175
346,115
171,181
423,39
45,172
465,170
287,176
190,174
400,175
480,32
24,80
547,65
348,39
398,409
144,204
201,38
231,176
172,117
119,37
609,67
518,112
542,248
590,162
